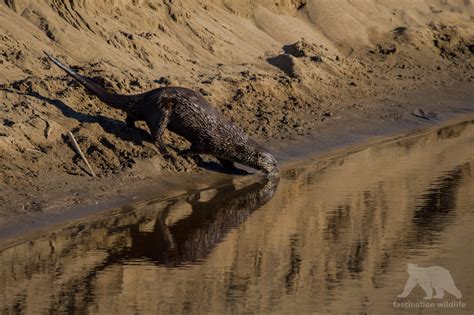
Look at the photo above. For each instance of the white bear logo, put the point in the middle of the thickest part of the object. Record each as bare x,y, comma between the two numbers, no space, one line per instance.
429,278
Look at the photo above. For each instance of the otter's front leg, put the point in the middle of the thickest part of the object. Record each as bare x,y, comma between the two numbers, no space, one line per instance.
157,127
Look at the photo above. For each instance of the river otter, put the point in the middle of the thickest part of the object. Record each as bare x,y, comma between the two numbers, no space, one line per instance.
186,113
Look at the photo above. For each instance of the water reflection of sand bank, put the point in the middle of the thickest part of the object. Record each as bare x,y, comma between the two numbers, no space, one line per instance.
335,237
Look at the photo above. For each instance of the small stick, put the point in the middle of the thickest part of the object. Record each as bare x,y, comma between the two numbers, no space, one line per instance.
48,130
78,149
33,150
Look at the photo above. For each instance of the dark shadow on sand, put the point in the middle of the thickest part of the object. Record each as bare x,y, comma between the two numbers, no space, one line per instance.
110,125
284,63
218,168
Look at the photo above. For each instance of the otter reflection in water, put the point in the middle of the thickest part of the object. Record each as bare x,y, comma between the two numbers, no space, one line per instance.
194,236
170,233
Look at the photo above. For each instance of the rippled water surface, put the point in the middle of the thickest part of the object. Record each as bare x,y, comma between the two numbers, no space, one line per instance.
332,236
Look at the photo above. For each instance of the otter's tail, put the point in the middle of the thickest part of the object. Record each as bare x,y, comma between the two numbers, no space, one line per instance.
124,102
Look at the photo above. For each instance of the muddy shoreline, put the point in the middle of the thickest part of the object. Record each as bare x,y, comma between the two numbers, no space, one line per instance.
334,235
351,132
303,77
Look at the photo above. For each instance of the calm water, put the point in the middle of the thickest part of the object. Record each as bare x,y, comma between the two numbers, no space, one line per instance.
333,236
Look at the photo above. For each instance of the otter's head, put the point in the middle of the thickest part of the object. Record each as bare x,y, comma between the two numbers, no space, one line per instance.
267,163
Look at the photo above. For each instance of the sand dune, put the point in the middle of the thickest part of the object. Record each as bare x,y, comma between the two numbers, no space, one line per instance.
280,69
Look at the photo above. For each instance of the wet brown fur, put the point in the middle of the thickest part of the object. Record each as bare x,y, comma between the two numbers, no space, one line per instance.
186,113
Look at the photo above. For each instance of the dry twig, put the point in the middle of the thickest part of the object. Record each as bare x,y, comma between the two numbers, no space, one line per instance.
78,149
48,130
